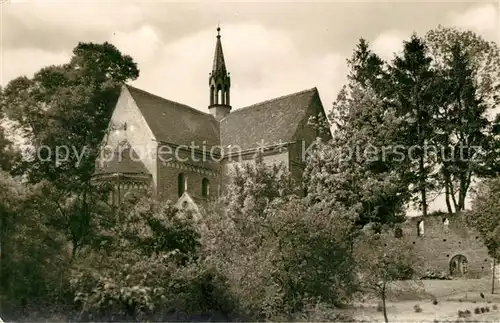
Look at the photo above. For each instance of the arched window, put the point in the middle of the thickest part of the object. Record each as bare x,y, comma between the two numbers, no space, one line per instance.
205,187
181,184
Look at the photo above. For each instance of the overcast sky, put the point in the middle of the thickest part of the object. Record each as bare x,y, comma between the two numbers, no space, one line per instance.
271,49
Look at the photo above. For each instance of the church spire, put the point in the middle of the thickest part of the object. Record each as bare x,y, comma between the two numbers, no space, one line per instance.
220,83
219,66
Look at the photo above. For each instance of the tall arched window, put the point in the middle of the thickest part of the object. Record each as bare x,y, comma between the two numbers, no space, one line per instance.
205,187
181,184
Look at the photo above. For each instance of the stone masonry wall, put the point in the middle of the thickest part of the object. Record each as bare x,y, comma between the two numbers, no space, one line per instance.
439,243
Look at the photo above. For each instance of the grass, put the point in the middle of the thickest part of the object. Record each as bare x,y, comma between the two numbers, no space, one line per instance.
452,296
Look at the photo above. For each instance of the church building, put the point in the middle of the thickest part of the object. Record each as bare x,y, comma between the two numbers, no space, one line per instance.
185,155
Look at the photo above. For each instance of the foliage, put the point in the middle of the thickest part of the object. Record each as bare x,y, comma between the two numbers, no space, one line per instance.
352,170
147,267
469,67
282,258
63,112
421,117
413,83
382,259
485,213
34,258
356,168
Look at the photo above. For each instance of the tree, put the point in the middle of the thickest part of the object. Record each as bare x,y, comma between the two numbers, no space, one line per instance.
485,217
146,266
359,166
277,253
414,83
64,112
470,69
8,153
33,256
383,259
485,212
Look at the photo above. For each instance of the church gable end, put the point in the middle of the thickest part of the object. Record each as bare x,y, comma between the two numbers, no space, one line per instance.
129,127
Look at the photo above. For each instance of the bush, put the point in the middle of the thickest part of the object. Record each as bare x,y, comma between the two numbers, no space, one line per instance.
464,314
477,310
435,302
286,257
435,275
152,269
417,308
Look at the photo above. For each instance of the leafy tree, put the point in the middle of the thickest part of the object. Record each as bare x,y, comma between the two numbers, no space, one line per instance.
470,68
485,213
146,267
359,167
485,217
277,253
383,259
64,112
34,258
8,154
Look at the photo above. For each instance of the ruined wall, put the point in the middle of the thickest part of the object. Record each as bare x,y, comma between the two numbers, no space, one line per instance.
445,237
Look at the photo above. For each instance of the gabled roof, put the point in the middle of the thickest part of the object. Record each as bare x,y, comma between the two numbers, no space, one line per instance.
274,121
128,163
174,122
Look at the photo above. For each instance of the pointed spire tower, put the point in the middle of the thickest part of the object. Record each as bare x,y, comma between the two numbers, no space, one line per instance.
220,84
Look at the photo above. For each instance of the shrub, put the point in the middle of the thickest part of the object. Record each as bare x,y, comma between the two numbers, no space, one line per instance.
464,314
495,307
477,310
435,301
435,275
380,307
417,308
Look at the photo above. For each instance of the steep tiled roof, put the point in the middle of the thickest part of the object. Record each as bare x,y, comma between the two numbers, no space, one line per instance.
175,122
128,163
271,121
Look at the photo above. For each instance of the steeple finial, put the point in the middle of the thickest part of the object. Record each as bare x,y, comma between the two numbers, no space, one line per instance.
220,83
219,66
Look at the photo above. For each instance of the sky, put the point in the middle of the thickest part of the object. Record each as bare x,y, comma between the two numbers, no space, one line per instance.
271,48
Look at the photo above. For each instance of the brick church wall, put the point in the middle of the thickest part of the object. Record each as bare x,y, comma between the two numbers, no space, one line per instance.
440,243
194,173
